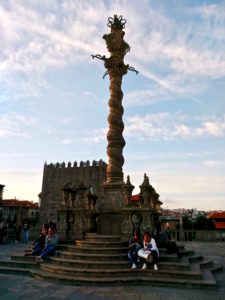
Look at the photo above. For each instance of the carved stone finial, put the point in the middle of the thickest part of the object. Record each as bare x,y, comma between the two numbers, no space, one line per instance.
145,181
116,22
128,189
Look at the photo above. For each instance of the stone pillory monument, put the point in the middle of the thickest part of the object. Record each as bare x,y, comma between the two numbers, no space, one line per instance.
93,197
96,213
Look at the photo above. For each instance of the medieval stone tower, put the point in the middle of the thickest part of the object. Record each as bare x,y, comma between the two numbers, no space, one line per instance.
62,182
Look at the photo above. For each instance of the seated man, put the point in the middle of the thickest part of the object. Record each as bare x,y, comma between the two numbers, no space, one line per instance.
134,246
51,243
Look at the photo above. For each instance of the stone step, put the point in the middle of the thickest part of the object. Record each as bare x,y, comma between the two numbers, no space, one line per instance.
206,263
114,264
19,264
82,263
105,272
195,258
92,256
102,238
22,261
108,256
20,257
216,267
94,249
207,282
100,244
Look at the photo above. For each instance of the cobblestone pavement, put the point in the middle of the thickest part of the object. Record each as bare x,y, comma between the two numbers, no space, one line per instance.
14,287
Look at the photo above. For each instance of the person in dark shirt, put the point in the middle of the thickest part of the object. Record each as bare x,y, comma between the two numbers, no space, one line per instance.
51,243
134,246
39,243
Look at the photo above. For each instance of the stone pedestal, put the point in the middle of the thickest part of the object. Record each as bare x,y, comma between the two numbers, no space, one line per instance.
109,220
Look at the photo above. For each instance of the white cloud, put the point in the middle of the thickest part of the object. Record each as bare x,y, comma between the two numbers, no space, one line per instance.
171,126
96,136
67,141
37,37
165,126
16,125
214,163
214,128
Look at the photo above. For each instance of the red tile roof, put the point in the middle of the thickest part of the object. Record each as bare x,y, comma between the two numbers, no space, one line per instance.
217,215
23,203
219,225
135,198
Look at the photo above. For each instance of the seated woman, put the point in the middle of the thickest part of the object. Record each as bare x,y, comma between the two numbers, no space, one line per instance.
150,245
39,243
134,246
51,243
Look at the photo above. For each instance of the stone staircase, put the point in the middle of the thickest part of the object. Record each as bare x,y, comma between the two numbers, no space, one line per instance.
102,260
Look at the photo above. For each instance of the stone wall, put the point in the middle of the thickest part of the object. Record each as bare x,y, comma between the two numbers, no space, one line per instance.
57,176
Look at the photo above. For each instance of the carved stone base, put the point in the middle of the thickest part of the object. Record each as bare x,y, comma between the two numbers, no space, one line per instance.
112,198
109,223
109,219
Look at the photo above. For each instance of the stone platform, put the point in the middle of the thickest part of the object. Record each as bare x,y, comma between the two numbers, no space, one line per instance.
75,265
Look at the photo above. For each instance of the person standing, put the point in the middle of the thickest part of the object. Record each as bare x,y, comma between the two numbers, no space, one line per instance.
25,231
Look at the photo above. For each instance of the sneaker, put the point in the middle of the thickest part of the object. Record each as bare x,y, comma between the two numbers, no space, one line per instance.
155,267
134,266
39,259
144,266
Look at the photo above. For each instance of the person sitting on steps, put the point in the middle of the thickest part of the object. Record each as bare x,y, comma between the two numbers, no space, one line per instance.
39,243
134,246
51,243
150,245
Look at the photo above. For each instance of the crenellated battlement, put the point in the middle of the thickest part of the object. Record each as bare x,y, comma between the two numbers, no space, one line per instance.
82,164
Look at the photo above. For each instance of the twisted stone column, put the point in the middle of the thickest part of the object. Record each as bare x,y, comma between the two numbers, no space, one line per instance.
116,68
115,138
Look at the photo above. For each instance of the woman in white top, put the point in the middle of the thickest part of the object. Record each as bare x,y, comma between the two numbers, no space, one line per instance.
150,244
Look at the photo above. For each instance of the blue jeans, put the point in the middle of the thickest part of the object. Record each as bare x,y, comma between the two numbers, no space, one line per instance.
25,236
49,249
133,253
36,249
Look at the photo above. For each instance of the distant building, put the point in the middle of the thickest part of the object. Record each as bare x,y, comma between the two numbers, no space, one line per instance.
170,219
219,219
13,211
156,203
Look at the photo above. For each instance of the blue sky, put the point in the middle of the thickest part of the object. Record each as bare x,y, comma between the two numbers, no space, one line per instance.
53,100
